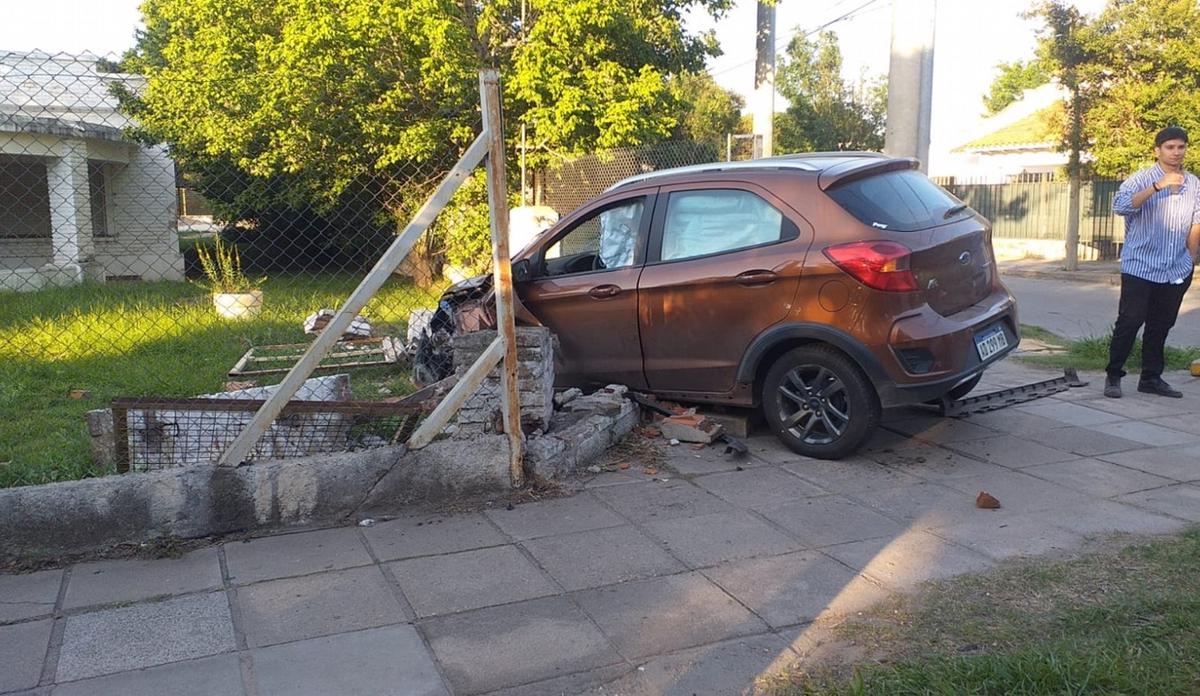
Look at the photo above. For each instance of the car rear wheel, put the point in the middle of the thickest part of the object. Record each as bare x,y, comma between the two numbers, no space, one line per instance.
819,403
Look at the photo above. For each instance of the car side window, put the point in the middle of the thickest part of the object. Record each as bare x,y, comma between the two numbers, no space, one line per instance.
700,223
605,240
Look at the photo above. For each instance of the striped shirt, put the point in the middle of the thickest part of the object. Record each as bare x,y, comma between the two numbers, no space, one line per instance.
1156,233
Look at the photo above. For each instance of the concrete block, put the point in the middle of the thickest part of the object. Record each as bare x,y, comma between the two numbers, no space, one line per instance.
148,635
558,516
23,646
429,535
117,581
601,557
377,661
740,424
442,470
29,594
541,639
278,611
299,553
689,429
711,539
469,580
220,674
650,617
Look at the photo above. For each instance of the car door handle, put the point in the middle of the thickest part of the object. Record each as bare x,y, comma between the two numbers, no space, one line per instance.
602,291
758,277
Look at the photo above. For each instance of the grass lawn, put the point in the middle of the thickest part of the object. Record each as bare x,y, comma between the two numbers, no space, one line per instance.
1120,622
1092,353
148,339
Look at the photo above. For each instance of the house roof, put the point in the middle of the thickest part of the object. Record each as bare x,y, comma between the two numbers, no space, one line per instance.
60,88
1038,130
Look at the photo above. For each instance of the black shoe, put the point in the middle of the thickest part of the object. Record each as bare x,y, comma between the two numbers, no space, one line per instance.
1112,387
1158,387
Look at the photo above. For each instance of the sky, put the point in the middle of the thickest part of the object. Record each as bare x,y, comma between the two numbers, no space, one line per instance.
971,38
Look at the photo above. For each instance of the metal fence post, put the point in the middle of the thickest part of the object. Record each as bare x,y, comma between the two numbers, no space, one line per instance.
489,89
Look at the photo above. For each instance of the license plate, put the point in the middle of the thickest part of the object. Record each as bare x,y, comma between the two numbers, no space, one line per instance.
990,342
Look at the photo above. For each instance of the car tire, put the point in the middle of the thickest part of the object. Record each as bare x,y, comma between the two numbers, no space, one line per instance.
842,406
965,388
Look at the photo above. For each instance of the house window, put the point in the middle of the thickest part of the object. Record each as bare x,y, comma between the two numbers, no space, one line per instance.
24,198
98,195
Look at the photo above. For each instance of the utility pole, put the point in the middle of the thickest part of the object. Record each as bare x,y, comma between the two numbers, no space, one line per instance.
764,78
910,80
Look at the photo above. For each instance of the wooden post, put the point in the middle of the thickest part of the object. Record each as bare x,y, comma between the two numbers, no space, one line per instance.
243,445
489,91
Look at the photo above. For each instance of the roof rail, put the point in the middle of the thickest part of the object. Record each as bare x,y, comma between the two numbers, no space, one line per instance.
801,162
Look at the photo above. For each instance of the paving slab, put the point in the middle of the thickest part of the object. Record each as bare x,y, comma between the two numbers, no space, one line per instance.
28,595
795,588
735,666
288,555
470,580
919,504
1102,517
710,539
1136,405
516,644
940,430
768,448
1180,500
649,617
220,675
759,486
149,634
22,651
574,684
1006,536
278,611
907,561
428,535
1100,478
709,460
1178,463
849,475
1068,413
1186,422
601,557
1013,422
1018,491
933,463
1012,451
830,520
112,582
558,516
1086,442
604,479
662,500
1147,433
390,660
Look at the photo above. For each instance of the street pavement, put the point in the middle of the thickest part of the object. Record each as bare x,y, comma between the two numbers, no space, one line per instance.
699,579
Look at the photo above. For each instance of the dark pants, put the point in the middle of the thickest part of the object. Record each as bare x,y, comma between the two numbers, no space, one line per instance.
1154,304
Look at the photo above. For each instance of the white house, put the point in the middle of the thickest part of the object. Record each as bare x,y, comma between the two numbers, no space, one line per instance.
1019,143
78,200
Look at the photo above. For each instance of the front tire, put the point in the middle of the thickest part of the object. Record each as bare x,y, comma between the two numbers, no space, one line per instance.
819,403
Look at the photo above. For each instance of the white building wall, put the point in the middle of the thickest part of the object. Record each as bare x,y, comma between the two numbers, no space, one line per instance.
142,218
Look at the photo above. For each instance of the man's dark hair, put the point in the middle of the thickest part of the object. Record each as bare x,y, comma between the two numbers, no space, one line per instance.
1170,133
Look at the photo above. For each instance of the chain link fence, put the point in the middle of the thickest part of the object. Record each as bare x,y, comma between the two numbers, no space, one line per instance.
166,295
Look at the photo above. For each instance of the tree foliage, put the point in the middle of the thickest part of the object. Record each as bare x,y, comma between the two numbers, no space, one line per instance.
1011,83
709,111
826,113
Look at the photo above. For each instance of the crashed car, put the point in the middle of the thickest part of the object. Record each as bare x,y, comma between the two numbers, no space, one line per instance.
819,288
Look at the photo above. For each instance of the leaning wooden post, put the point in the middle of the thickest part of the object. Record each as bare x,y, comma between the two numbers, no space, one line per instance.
489,91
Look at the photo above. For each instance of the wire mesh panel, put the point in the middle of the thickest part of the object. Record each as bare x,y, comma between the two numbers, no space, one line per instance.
144,256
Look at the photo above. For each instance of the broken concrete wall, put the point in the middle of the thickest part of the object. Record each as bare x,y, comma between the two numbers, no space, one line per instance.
535,382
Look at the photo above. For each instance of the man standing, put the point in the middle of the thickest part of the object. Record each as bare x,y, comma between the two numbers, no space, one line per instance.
1160,205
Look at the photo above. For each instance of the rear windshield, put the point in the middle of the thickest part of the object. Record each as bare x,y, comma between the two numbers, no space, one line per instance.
904,201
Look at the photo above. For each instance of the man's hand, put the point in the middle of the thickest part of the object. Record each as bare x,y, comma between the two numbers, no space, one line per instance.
1193,243
1169,179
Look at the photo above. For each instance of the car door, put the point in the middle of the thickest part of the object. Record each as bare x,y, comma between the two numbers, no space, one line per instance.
584,288
723,265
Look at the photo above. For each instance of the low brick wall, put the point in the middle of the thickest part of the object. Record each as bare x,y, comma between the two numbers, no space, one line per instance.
535,382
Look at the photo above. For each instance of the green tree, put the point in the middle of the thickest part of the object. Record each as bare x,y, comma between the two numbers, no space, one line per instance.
826,113
293,103
1011,83
709,111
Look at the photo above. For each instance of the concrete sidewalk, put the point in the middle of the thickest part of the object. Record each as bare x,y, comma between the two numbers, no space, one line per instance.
1108,272
697,580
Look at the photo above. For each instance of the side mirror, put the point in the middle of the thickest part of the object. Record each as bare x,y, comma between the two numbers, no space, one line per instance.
521,271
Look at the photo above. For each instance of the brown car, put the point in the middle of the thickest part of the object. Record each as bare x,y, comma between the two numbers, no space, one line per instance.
819,288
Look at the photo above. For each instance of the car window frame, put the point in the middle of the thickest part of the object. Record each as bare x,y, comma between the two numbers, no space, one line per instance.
790,227
585,214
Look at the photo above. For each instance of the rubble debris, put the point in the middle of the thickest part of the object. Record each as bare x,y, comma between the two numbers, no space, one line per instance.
674,442
235,385
690,428
1195,368
565,397
314,323
594,469
366,522
649,471
986,501
80,394
623,465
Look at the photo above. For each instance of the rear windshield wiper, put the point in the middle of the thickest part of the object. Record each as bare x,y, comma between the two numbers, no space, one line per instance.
955,210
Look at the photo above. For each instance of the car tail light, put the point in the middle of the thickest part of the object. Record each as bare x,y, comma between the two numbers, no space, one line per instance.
879,265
